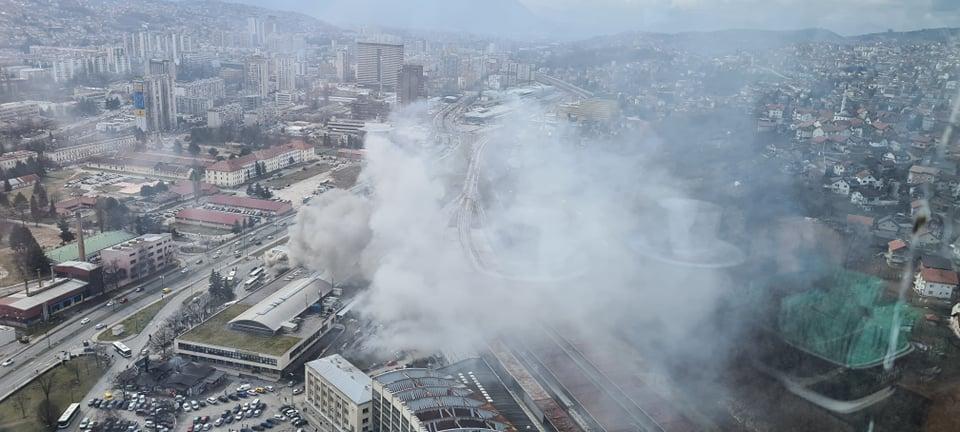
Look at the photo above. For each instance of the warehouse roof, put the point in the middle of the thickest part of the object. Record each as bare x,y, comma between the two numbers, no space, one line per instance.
210,216
251,203
283,305
92,245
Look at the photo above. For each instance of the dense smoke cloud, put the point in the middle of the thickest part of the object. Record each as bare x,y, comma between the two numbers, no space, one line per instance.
572,229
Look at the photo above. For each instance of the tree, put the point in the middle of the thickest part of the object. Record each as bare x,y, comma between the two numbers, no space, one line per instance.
111,214
21,204
194,148
65,235
20,400
113,104
7,187
41,193
256,170
291,161
35,212
177,147
4,200
212,151
196,178
45,383
237,228
29,256
47,414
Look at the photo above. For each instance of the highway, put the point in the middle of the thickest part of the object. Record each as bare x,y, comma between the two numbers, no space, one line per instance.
70,335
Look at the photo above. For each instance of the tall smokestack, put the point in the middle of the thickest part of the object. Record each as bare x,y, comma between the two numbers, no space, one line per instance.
81,250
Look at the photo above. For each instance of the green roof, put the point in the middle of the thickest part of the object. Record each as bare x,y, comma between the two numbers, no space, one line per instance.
844,321
216,331
93,244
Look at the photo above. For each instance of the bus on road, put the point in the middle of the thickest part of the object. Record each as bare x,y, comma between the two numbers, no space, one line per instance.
68,416
253,281
256,272
122,349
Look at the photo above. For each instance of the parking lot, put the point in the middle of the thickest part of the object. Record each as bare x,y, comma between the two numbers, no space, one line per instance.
257,407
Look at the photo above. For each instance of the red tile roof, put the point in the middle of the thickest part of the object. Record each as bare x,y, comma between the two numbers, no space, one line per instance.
934,275
210,216
896,244
230,165
251,203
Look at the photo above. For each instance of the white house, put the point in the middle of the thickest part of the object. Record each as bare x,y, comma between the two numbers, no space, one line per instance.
937,283
839,186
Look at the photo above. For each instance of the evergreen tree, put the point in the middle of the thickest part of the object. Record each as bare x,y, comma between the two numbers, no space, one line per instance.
7,187
4,200
35,213
21,204
237,229
66,236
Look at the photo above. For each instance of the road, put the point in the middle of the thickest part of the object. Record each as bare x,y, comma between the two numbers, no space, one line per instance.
69,335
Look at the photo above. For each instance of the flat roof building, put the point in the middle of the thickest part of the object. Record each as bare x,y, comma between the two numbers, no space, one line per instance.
209,218
41,301
265,333
337,393
260,206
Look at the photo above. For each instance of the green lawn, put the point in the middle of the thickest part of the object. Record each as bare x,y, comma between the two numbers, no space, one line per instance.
215,332
135,323
66,390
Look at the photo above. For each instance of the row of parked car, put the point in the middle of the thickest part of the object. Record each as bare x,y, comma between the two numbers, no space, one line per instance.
110,424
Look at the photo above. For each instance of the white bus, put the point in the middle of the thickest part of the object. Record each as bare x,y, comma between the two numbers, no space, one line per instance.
68,416
256,272
253,281
122,349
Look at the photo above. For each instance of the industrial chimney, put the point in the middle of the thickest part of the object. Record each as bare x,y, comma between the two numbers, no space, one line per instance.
81,250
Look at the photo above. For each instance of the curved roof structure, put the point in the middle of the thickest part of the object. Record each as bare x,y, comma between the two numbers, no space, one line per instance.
283,305
440,402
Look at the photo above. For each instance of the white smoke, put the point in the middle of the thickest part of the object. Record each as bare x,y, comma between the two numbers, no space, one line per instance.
561,214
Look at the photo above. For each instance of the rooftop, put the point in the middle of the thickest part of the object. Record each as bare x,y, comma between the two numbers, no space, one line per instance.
250,203
60,287
229,165
215,331
940,276
283,305
344,376
92,244
210,216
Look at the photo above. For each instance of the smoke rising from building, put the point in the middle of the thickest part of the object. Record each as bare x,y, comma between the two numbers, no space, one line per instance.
561,219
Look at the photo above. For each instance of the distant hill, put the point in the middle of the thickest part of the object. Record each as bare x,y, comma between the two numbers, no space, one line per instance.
507,18
933,35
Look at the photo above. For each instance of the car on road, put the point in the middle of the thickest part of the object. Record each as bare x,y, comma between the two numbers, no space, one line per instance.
110,303
138,289
100,326
123,300
166,290
7,362
200,260
85,321
184,270
297,391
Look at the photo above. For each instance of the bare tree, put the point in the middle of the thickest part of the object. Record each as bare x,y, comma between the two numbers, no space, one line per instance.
75,367
20,400
45,383
47,414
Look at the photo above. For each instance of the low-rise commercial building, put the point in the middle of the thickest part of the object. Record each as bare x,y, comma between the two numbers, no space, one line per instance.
260,206
263,334
937,283
209,218
41,300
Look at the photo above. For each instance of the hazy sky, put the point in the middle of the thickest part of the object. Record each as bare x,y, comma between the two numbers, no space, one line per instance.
841,16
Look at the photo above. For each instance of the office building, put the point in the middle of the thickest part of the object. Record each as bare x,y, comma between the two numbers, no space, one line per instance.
256,76
342,64
42,299
138,258
161,67
154,103
226,115
338,394
207,88
234,172
286,69
378,64
193,105
9,160
412,86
